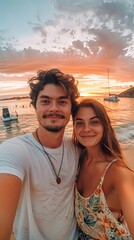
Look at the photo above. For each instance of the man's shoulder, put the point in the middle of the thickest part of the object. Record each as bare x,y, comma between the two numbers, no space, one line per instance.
70,144
16,140
17,146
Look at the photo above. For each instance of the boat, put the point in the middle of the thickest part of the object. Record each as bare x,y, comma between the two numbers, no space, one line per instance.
6,116
111,97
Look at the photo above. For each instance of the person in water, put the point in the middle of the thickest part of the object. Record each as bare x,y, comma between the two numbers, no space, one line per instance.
104,191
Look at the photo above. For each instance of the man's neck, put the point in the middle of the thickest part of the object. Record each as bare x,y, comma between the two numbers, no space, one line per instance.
49,139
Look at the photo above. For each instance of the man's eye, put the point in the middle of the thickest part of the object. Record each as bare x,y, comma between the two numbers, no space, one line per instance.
45,102
63,102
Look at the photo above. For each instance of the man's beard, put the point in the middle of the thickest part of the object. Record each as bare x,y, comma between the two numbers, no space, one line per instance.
53,128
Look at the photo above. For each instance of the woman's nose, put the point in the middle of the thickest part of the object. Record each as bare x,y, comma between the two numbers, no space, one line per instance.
87,127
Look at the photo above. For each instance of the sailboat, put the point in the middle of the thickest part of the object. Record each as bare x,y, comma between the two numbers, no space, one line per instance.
111,97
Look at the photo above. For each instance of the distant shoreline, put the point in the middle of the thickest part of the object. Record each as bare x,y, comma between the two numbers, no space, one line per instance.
26,97
14,98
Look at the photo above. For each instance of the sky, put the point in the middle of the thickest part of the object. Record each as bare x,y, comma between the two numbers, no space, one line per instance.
85,38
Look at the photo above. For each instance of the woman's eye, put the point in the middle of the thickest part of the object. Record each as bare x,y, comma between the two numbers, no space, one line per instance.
78,123
95,122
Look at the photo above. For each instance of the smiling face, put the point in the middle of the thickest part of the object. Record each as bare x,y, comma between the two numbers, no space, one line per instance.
87,127
53,108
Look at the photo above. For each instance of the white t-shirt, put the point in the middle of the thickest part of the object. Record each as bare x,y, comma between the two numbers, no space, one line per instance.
46,209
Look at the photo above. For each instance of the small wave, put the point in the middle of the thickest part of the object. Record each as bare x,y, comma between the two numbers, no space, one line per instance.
125,133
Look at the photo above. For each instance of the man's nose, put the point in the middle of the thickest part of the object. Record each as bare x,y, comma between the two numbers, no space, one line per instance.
54,106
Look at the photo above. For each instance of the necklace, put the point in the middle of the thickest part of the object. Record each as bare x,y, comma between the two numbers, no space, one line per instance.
58,179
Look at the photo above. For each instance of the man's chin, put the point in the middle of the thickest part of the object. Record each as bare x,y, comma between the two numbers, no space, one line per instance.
54,128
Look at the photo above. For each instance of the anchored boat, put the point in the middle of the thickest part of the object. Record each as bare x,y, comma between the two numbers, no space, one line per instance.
6,116
111,97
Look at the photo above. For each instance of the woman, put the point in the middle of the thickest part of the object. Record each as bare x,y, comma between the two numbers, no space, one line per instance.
104,200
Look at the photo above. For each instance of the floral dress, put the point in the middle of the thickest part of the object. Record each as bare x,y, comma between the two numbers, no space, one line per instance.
94,218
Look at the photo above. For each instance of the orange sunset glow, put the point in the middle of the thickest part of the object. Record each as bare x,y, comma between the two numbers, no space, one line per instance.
85,39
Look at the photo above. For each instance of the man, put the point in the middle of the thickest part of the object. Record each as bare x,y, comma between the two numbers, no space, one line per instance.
37,170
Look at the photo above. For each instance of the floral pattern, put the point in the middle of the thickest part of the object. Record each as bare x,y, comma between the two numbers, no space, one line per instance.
95,220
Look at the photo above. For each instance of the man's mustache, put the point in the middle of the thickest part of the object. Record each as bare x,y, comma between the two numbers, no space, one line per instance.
53,115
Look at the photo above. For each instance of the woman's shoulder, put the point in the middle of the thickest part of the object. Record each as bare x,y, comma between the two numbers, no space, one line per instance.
119,172
119,165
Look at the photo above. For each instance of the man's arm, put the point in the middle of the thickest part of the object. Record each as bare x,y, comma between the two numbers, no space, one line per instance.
10,188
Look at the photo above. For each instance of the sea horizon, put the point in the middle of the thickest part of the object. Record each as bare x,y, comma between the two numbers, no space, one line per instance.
121,115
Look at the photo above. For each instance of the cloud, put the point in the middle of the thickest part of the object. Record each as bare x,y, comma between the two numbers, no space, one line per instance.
82,37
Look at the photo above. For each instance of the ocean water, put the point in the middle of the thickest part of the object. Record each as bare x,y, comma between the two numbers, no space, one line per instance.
121,115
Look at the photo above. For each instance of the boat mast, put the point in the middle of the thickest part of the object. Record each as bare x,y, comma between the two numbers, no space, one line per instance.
108,83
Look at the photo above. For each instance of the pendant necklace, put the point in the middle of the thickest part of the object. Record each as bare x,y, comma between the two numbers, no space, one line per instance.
49,156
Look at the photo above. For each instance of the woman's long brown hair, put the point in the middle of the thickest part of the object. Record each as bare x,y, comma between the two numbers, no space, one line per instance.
109,143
